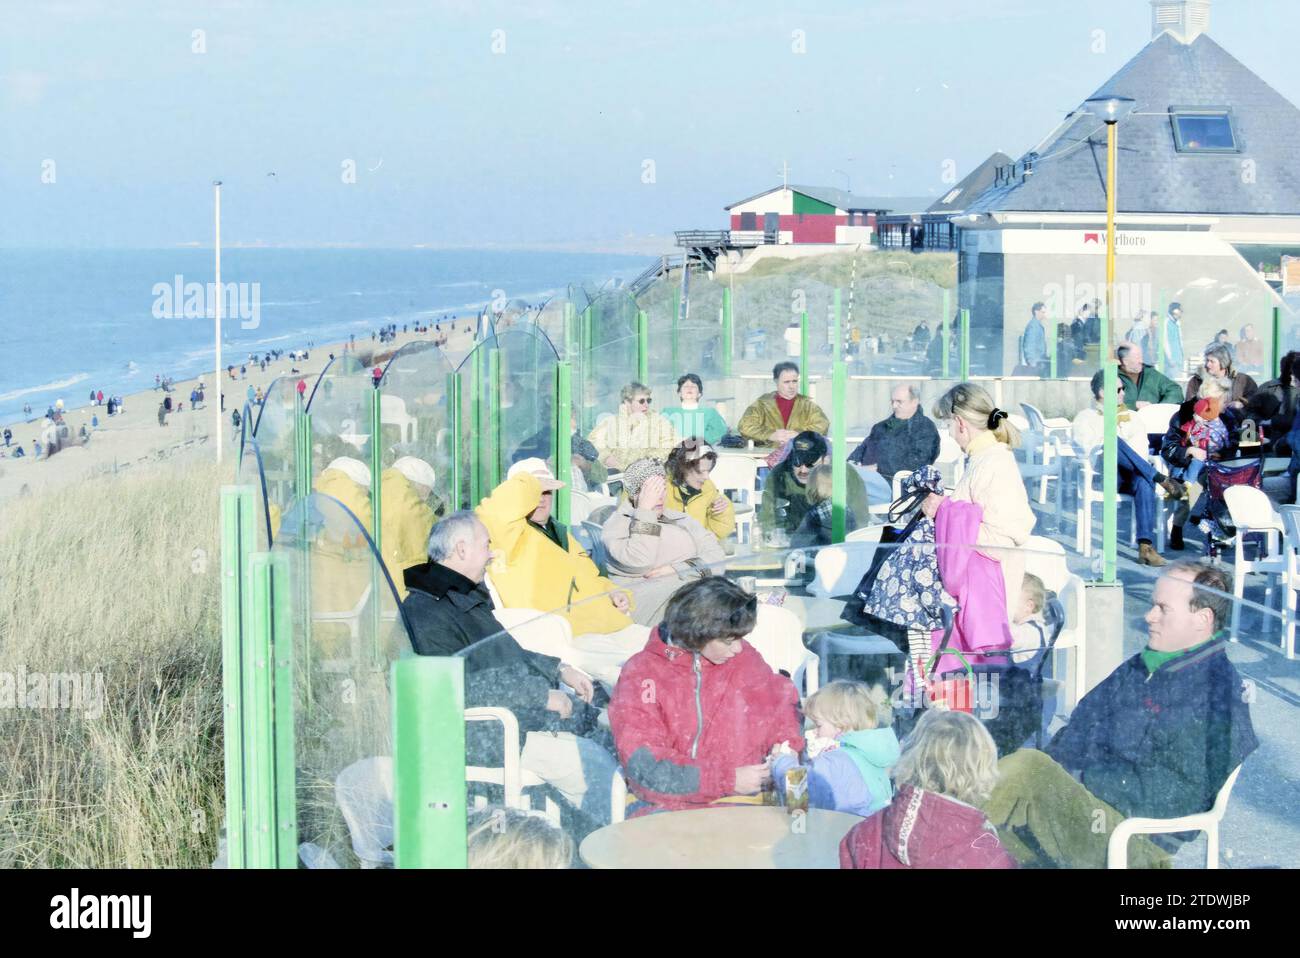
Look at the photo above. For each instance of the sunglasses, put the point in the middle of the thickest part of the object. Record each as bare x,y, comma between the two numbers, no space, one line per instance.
643,401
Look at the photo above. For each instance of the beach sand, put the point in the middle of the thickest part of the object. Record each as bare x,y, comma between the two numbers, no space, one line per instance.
133,436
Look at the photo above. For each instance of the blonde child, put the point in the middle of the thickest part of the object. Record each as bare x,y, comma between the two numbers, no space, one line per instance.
510,838
948,768
851,750
1028,629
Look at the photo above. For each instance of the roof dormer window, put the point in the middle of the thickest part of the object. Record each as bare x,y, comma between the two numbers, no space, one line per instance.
1203,130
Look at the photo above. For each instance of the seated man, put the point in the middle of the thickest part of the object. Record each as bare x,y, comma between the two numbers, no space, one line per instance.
697,712
785,490
1143,384
777,417
1157,738
904,442
1137,477
450,613
539,565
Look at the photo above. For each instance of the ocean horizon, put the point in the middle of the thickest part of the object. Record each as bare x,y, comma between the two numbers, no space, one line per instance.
73,320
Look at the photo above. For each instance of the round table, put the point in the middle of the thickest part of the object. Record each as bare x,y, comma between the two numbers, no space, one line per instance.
726,836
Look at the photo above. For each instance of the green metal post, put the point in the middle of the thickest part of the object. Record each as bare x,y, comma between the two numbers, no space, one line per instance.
805,385
643,347
562,441
476,490
286,786
302,452
839,415
947,324
258,726
965,345
494,419
237,540
728,333
429,762
376,468
456,499
1277,342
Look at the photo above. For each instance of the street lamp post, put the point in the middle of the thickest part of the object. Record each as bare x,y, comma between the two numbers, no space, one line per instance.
1110,109
216,245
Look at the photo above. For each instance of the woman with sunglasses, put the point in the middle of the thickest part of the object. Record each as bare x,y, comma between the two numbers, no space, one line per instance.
690,490
717,709
634,432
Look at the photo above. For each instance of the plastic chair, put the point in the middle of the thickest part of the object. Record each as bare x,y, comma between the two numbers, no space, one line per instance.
1291,580
827,644
618,797
1090,494
1052,467
1208,822
351,618
950,454
1045,558
364,793
838,569
589,537
738,474
583,504
392,412
511,776
778,637
1252,511
1039,437
543,633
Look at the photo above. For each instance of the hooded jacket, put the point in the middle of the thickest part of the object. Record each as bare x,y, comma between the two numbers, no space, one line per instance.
921,829
1160,744
405,520
698,507
854,777
763,418
532,572
683,725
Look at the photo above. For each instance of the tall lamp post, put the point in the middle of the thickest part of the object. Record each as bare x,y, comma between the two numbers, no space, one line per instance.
216,245
1110,109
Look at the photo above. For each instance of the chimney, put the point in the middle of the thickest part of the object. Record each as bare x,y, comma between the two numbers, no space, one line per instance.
1185,19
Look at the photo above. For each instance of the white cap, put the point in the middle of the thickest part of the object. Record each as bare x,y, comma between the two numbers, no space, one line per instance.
354,469
538,468
416,470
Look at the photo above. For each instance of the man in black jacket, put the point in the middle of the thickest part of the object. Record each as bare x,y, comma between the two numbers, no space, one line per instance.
1156,739
904,442
450,613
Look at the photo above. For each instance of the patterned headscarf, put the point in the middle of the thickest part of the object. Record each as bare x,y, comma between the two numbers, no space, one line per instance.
635,475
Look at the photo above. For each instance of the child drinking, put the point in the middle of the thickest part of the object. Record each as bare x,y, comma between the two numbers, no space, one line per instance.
850,752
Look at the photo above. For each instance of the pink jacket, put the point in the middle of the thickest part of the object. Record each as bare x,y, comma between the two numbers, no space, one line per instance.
975,581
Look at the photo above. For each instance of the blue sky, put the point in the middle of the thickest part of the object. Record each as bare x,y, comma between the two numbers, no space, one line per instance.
542,140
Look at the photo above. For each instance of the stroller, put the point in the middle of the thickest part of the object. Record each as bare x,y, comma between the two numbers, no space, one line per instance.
1219,477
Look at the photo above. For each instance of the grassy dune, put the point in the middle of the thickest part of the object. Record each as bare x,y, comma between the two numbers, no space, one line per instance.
117,578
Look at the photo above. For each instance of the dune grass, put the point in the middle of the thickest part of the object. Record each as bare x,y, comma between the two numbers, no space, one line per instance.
117,578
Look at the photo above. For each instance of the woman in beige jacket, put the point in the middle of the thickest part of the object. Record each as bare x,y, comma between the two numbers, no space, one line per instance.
991,479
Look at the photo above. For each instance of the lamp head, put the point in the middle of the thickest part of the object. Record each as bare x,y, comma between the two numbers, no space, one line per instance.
1111,109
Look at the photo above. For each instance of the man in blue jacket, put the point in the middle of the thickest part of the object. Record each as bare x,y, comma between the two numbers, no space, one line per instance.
1157,739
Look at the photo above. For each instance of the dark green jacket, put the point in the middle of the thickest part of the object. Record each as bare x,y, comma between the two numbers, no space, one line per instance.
781,484
1152,386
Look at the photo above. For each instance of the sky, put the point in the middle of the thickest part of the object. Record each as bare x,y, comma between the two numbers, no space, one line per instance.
586,125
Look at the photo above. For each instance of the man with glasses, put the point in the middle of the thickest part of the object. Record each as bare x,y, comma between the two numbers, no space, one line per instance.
634,432
777,417
905,442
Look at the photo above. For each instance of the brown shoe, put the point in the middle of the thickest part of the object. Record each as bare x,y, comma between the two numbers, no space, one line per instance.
1173,488
1147,555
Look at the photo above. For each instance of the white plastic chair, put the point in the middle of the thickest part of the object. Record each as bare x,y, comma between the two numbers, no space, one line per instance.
950,454
351,618
1090,495
1045,558
1252,511
778,637
364,793
511,776
1155,418
1291,545
543,633
583,504
392,412
1208,822
617,797
865,534
838,569
1038,437
738,474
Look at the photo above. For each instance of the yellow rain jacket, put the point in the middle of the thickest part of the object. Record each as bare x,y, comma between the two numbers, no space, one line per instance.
405,521
341,559
721,524
531,572
763,418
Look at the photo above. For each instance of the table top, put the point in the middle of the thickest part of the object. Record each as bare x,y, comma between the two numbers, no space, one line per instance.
724,836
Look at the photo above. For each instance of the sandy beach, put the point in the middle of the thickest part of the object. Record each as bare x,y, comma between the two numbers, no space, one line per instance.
133,437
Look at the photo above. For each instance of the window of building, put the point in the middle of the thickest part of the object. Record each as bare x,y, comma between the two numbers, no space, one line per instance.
1203,131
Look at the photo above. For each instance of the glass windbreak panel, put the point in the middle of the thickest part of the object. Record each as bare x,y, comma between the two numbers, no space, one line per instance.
894,324
691,344
276,444
416,453
347,631
1045,675
340,422
1204,133
622,431
525,397
251,472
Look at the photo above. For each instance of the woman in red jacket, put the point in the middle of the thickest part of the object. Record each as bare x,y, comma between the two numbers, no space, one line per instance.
696,713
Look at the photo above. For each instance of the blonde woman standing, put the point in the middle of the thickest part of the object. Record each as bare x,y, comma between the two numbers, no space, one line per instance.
991,479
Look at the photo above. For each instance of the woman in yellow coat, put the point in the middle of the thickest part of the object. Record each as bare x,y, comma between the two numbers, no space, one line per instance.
690,490
405,516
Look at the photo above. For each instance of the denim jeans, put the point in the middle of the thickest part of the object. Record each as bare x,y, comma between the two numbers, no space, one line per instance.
1137,477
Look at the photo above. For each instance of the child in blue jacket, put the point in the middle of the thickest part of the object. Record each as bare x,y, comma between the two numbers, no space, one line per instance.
851,751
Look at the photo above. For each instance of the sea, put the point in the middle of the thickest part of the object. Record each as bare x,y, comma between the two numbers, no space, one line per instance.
76,320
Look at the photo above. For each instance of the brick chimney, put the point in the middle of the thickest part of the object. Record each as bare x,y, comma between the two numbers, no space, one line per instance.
1185,19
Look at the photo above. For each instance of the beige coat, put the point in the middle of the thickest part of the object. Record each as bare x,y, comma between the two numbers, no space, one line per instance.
631,438
992,481
638,541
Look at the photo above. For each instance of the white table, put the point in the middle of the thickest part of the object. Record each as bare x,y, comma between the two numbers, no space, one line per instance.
723,836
